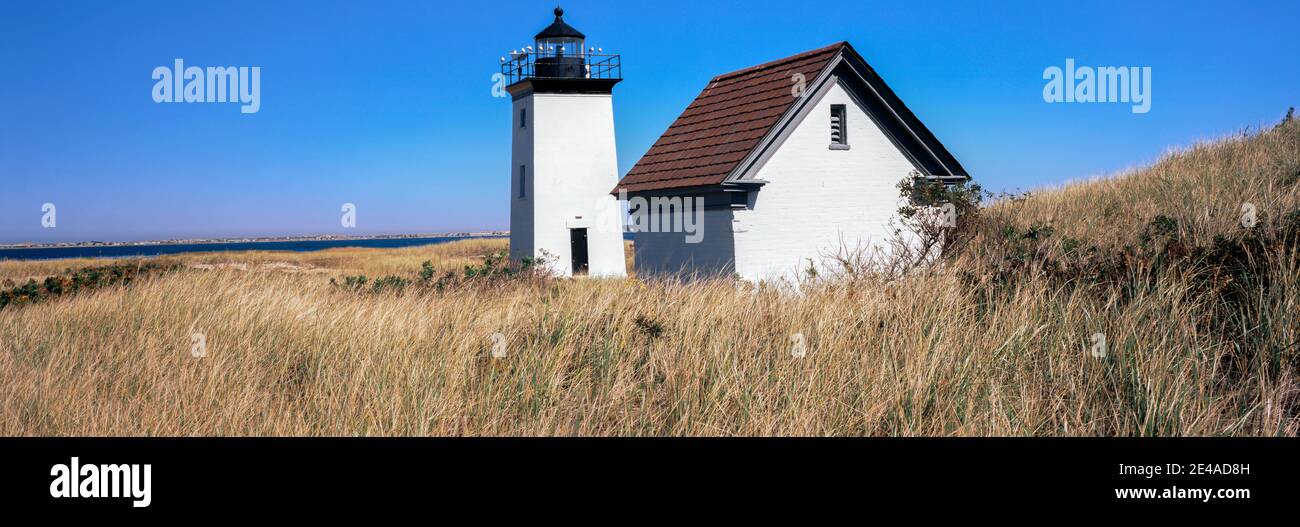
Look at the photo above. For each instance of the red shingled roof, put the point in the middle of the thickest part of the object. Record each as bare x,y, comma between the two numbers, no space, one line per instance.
724,123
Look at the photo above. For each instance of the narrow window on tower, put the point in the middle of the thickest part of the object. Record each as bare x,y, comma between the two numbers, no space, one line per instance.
839,128
523,117
522,182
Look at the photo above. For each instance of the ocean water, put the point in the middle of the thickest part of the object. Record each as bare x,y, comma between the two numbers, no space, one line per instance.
122,251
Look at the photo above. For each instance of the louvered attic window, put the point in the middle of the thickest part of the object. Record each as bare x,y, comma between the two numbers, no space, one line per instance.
839,128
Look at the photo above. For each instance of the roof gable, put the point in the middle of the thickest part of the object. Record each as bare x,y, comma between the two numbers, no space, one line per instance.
738,113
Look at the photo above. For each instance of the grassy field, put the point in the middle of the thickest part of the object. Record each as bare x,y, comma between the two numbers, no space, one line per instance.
1197,316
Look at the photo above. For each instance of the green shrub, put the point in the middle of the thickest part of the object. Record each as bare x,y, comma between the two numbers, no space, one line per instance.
354,283
389,283
495,269
72,281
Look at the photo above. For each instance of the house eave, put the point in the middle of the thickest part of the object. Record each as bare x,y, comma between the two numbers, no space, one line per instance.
724,195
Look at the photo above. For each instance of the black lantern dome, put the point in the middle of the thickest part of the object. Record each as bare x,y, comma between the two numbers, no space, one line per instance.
560,53
559,29
559,58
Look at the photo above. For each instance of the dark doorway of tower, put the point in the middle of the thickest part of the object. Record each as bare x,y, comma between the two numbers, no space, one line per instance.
578,248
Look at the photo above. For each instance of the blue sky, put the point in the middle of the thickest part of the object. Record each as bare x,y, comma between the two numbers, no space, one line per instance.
388,104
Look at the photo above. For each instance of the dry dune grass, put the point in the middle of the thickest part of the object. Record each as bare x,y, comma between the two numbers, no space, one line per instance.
289,354
19,271
354,260
1204,187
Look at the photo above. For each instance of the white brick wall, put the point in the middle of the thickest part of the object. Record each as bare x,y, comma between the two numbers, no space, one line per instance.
819,200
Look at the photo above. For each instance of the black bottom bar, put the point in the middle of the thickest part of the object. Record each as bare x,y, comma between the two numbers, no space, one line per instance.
965,477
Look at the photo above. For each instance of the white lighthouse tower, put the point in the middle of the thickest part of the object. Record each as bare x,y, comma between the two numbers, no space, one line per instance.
563,163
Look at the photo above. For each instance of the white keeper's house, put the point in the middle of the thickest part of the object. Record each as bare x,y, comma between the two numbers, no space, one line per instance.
793,160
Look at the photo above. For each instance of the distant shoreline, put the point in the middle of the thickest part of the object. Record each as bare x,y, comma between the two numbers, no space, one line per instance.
255,239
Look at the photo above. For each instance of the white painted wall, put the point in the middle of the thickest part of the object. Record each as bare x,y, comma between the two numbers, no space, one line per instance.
521,153
568,146
818,200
